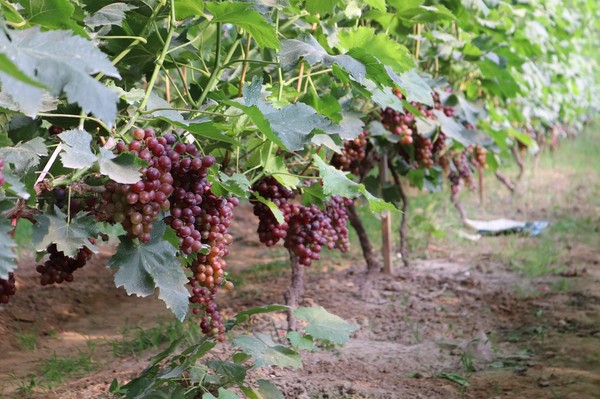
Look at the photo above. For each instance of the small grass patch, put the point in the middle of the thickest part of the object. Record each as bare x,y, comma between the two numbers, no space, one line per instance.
136,340
28,340
55,370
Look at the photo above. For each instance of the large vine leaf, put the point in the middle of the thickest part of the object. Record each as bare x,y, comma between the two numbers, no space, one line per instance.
320,6
336,182
69,236
9,68
143,268
8,261
123,168
312,52
62,63
112,14
293,123
324,325
414,86
382,47
53,14
451,128
188,8
77,153
24,155
244,16
223,394
266,390
265,352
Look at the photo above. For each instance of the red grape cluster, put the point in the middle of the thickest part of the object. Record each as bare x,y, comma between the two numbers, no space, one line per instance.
269,230
353,153
405,126
2,181
191,197
307,229
423,151
461,172
439,145
59,267
336,211
479,156
136,206
208,269
7,288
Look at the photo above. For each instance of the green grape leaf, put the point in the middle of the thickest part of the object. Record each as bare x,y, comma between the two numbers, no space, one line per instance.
237,184
451,128
8,261
223,394
9,68
377,4
326,141
336,182
123,168
265,352
414,86
293,123
112,14
14,184
387,51
77,153
266,390
188,8
375,70
313,53
54,14
69,236
350,127
24,156
320,6
61,62
324,325
230,371
300,342
246,314
274,208
143,268
244,16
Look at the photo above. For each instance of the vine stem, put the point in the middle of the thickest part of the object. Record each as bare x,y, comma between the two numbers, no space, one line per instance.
216,68
157,68
98,121
245,66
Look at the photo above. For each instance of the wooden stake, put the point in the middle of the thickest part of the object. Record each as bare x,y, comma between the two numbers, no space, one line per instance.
386,223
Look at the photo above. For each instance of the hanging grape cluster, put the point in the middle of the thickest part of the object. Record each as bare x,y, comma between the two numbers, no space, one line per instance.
213,221
270,231
423,150
460,172
478,156
175,180
7,288
59,267
2,180
354,152
137,206
307,229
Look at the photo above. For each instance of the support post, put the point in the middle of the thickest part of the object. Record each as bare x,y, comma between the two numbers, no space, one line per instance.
386,222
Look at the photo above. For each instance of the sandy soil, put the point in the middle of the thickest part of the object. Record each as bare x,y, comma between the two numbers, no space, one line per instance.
524,337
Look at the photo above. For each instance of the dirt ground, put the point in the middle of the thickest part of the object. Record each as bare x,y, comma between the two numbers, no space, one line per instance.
465,312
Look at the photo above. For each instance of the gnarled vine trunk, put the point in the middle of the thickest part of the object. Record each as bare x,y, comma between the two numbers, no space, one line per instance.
369,255
295,291
403,233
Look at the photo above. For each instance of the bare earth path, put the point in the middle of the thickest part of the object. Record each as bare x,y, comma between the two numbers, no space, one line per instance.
472,312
